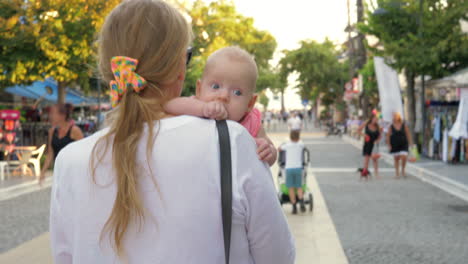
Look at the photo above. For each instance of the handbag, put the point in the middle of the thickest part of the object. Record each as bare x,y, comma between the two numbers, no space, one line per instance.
413,154
226,183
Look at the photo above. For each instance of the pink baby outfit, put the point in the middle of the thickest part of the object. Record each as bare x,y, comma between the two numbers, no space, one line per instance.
253,122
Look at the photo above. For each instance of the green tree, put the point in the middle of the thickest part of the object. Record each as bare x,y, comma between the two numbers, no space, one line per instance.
263,100
428,42
217,25
320,73
369,79
53,38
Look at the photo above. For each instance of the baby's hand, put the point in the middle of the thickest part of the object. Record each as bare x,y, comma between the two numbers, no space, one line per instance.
215,110
265,150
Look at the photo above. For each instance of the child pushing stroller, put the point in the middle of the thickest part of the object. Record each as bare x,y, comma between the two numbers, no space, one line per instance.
292,160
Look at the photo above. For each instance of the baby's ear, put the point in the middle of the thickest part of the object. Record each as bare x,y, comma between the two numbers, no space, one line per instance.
252,102
198,89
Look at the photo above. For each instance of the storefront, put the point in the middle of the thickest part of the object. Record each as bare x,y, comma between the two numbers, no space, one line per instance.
446,117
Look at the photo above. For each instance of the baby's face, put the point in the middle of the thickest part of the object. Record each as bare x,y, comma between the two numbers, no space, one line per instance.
231,83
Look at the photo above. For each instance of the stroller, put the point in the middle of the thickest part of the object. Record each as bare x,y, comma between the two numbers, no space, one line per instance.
283,192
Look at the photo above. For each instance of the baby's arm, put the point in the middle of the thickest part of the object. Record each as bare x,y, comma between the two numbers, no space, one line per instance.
265,148
193,106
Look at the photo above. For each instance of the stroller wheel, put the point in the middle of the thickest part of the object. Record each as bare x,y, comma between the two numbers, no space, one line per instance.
311,202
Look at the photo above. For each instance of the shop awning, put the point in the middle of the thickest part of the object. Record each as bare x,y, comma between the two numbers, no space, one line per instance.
456,80
48,90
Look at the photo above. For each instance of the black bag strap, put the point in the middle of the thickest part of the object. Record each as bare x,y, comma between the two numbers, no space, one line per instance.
226,183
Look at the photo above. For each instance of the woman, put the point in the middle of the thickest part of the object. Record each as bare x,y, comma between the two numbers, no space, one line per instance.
62,133
398,137
372,135
147,188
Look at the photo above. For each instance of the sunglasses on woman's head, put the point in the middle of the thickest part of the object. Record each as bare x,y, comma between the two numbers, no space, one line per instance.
189,55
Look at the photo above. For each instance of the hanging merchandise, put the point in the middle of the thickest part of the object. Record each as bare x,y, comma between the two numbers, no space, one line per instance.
453,149
440,116
437,124
430,153
445,146
460,128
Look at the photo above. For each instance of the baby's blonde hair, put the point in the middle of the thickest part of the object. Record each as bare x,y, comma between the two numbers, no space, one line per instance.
234,53
157,35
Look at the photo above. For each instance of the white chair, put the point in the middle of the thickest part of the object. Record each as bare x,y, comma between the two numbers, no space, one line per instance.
35,159
30,157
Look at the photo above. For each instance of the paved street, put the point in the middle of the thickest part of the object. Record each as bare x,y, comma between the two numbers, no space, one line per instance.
23,218
387,220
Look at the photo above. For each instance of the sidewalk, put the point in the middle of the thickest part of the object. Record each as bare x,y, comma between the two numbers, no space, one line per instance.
15,186
36,251
314,232
450,178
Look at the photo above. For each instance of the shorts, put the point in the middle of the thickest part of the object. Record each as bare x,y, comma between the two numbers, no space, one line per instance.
400,153
367,149
294,178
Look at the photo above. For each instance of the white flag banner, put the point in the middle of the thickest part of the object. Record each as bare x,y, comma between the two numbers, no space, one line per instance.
389,89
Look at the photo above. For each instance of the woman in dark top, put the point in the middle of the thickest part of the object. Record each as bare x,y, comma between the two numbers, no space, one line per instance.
399,140
62,133
372,134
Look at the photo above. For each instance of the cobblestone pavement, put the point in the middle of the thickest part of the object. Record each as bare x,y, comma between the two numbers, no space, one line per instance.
23,218
388,220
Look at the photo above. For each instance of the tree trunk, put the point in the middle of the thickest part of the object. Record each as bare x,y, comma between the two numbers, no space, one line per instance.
360,59
365,107
282,102
410,101
61,92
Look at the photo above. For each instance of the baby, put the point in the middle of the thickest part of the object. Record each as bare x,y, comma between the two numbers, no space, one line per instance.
227,91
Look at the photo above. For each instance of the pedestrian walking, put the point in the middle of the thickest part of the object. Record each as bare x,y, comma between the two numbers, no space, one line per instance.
295,123
372,135
398,141
62,133
146,189
294,150
268,118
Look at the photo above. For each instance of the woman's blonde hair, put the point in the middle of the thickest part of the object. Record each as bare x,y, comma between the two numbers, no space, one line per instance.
157,35
397,116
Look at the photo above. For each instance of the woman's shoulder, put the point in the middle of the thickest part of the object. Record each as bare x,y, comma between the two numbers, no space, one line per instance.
198,123
80,150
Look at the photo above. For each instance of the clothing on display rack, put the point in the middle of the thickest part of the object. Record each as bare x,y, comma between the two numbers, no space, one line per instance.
445,146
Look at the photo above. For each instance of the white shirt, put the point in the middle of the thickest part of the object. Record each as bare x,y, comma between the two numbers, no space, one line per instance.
183,223
295,123
294,152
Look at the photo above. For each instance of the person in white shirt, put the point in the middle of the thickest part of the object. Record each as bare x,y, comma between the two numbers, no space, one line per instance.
268,119
294,150
147,188
295,123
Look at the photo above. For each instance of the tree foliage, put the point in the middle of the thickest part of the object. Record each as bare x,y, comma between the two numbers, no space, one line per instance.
319,71
53,38
437,48
217,25
369,79
263,100
418,39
